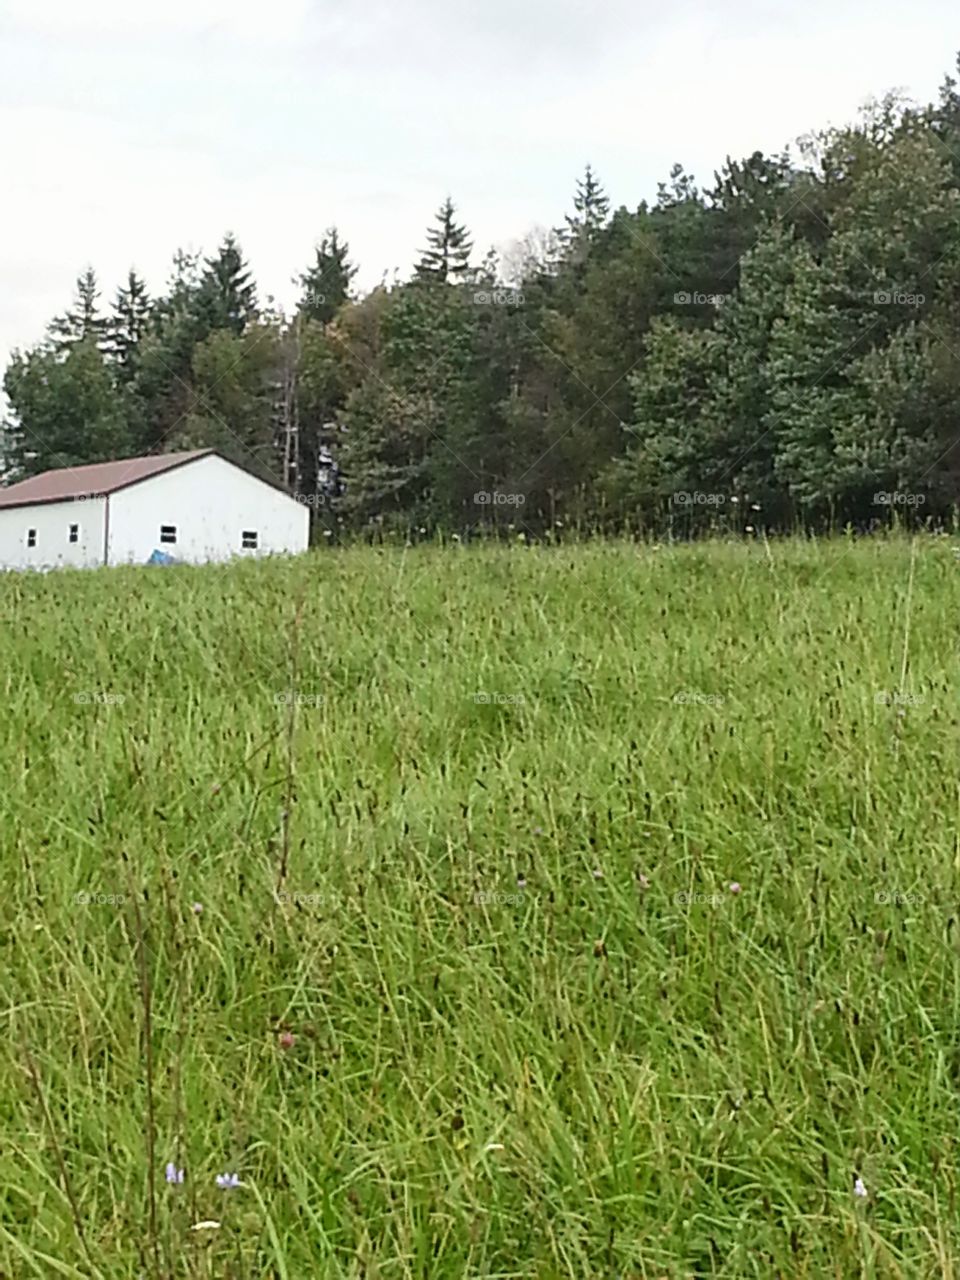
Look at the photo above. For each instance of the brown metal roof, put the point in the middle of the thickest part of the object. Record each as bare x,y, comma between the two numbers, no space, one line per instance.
92,481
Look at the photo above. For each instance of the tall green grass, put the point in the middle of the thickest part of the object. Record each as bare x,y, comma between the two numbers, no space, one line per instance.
412,869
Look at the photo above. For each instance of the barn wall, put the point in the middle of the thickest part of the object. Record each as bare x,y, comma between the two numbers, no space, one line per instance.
210,502
52,522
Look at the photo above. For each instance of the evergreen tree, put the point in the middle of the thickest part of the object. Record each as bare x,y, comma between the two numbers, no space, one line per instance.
326,284
83,321
230,399
682,189
446,260
740,436
789,337
573,241
894,242
161,388
227,296
748,195
399,418
692,242
183,285
127,326
669,437
944,119
591,207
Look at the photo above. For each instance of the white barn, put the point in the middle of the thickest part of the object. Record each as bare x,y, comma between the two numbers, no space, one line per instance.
195,507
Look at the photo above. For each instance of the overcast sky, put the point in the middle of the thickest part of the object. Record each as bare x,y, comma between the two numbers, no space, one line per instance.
131,127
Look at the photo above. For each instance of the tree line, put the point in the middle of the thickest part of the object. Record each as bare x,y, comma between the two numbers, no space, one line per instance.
781,350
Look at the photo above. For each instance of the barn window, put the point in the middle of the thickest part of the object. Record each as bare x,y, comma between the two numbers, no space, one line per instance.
168,533
249,539
31,537
74,535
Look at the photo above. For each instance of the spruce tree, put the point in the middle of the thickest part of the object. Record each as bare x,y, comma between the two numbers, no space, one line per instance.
326,284
591,209
591,206
83,321
127,325
183,285
227,295
447,258
161,387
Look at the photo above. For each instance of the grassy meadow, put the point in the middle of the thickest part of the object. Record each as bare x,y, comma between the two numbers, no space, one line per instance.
504,911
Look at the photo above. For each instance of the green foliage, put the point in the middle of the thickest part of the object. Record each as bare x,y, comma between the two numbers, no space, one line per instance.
784,342
879,277
399,417
671,436
326,284
83,322
591,209
447,256
67,410
226,297
591,205
128,326
232,397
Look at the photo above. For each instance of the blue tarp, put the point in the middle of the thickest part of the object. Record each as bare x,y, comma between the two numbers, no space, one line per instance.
161,557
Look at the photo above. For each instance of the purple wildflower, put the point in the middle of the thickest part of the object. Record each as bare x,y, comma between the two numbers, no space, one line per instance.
173,1173
197,908
227,1181
735,887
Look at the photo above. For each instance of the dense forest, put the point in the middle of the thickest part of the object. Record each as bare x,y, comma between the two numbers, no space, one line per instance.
779,351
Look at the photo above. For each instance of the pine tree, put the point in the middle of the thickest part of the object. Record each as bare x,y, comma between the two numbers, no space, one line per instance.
591,206
184,283
889,257
326,284
447,259
83,320
127,325
591,209
227,295
161,388
945,119
670,445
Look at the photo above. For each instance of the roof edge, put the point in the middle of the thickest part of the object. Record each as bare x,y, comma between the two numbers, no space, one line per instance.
195,456
75,500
